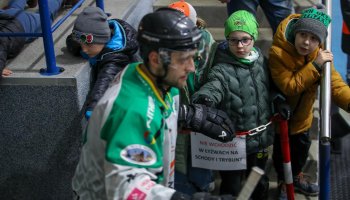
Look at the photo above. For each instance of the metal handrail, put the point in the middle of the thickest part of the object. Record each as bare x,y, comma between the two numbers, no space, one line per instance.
325,105
46,34
76,6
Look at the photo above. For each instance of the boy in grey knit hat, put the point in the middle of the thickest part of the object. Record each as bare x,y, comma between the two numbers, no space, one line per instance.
91,27
296,62
108,44
313,21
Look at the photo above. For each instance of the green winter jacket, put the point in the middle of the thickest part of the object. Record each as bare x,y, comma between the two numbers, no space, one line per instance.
243,92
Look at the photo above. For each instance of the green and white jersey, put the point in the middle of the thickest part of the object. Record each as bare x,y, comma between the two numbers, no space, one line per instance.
130,142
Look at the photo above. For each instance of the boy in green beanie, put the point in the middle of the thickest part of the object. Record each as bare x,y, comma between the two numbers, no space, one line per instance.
296,61
238,82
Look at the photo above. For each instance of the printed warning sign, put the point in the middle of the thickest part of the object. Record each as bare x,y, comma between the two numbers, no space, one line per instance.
211,154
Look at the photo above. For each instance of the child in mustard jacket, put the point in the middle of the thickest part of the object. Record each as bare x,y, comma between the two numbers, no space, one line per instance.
296,62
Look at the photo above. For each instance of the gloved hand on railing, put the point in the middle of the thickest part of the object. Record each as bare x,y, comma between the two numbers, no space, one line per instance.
211,122
282,108
201,196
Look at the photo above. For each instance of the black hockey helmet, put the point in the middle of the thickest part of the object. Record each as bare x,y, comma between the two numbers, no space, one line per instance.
170,29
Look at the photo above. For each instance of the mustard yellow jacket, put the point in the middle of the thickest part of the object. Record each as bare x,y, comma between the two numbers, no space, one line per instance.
297,78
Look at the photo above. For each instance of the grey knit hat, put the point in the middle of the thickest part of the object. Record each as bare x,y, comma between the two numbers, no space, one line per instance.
313,21
91,26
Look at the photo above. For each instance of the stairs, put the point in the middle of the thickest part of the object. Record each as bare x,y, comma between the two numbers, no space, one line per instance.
215,14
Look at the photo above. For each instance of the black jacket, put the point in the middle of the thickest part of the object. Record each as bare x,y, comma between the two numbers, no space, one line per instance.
9,46
109,62
345,8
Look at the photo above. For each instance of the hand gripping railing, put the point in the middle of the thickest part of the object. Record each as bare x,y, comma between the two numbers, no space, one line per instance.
46,34
325,105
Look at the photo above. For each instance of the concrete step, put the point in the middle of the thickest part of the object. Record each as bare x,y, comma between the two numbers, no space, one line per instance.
301,5
212,11
215,13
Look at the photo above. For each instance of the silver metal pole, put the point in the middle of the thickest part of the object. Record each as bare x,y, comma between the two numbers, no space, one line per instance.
324,146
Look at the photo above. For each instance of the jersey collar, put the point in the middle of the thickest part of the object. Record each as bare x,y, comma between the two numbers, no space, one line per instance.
152,86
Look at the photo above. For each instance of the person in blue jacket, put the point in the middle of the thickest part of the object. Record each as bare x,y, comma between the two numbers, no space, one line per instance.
108,44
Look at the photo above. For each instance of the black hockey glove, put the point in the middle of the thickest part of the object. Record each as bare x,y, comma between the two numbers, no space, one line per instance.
211,122
201,196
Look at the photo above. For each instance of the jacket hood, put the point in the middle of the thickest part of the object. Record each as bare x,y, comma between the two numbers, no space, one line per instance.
118,40
123,40
283,36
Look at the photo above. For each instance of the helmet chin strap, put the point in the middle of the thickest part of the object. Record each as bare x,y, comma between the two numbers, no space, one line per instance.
165,61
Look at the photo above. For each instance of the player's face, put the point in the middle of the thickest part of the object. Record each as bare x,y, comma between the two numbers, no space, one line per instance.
181,65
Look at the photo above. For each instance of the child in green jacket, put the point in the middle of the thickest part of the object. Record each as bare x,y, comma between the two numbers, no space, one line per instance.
238,82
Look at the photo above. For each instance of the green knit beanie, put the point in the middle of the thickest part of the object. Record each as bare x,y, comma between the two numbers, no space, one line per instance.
242,21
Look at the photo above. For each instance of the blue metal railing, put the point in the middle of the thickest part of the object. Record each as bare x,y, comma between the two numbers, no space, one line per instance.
46,34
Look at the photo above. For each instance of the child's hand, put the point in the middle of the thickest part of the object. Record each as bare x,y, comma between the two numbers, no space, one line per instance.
323,57
6,72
